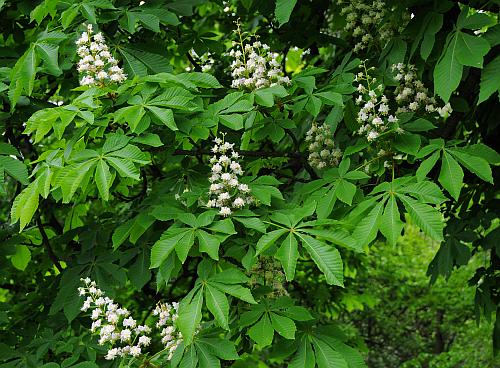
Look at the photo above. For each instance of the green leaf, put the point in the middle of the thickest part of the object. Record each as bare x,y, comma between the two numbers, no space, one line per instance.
326,357
224,349
326,257
471,49
366,230
165,245
475,21
288,254
25,205
103,179
21,258
225,226
218,305
190,316
345,191
304,357
326,203
419,125
232,121
237,291
425,191
14,168
434,25
230,276
390,222
407,143
49,53
252,223
268,239
474,164
448,71
490,79
451,175
262,332
139,273
427,165
297,313
203,80
132,65
205,358
23,76
283,10
330,98
208,243
184,245
132,115
166,116
190,358
483,151
283,325
124,167
426,217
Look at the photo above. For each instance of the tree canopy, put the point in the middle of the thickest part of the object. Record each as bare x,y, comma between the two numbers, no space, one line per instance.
205,183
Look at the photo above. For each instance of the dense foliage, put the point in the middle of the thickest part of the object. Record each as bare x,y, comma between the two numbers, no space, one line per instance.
200,183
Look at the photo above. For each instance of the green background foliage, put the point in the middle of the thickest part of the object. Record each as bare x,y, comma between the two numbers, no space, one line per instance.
330,268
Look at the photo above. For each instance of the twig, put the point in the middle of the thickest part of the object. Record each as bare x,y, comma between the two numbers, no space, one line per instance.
46,244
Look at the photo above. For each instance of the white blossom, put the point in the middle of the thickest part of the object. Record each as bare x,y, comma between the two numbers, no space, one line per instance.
254,66
226,192
322,153
96,65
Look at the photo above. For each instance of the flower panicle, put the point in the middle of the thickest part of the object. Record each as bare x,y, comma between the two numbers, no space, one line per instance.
254,66
322,151
411,95
226,192
97,66
120,332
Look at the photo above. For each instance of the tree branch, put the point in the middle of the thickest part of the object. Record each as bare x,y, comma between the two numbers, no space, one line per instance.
46,244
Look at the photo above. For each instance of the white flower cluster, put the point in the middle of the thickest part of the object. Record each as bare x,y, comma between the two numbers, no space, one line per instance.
411,94
254,66
113,324
322,153
374,115
97,66
167,315
366,21
226,192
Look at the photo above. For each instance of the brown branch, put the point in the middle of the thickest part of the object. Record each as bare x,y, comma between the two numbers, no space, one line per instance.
46,244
